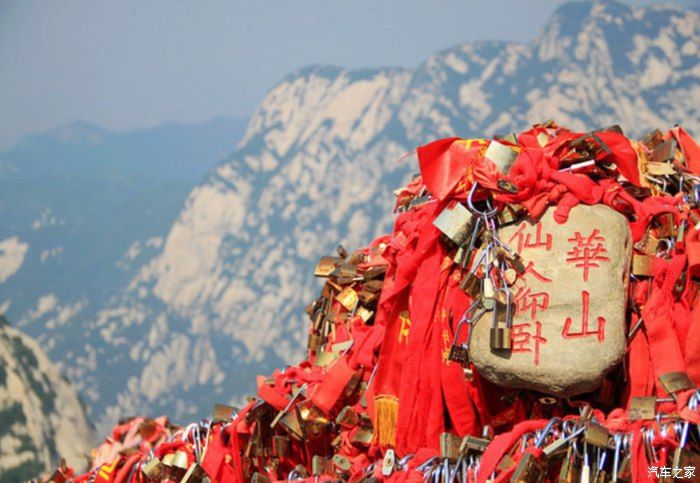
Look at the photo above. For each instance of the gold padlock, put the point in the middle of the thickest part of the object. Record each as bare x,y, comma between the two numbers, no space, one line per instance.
194,474
596,435
363,436
222,412
280,445
168,459
290,423
471,444
364,313
320,466
154,469
326,265
348,298
455,222
643,408
501,155
529,470
375,271
313,342
347,417
449,446
648,244
673,382
663,152
471,284
179,464
516,262
342,463
501,338
642,265
510,214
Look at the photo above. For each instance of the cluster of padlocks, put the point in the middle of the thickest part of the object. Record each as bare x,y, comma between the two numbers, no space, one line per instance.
533,317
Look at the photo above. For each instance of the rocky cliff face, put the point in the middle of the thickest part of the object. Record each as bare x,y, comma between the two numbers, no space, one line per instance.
41,417
222,299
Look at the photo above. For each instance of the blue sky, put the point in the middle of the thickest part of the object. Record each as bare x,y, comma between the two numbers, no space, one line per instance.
132,64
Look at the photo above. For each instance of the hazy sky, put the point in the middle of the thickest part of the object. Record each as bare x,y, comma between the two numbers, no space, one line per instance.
130,64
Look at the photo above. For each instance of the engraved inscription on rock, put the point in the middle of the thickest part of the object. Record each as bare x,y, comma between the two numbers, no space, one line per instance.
569,324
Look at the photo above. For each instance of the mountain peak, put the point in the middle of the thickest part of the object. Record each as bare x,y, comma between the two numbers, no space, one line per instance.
79,131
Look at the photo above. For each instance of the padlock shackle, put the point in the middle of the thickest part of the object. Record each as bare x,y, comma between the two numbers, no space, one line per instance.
470,204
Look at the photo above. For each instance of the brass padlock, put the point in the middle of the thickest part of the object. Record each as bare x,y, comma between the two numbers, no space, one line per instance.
642,265
367,297
222,412
507,186
516,262
341,463
280,445
596,435
500,336
326,265
472,444
510,214
665,227
373,272
673,382
555,448
347,417
449,446
364,313
624,472
455,222
569,472
363,436
374,286
344,270
529,470
648,244
348,298
325,358
179,465
320,466
290,423
352,384
506,463
312,420
663,152
194,474
643,408
501,155
154,469
313,342
471,284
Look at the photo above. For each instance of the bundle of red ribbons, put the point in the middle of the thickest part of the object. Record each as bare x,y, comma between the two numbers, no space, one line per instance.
389,390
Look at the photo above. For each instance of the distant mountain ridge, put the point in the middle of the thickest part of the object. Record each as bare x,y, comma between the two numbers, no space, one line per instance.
221,300
82,207
42,418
